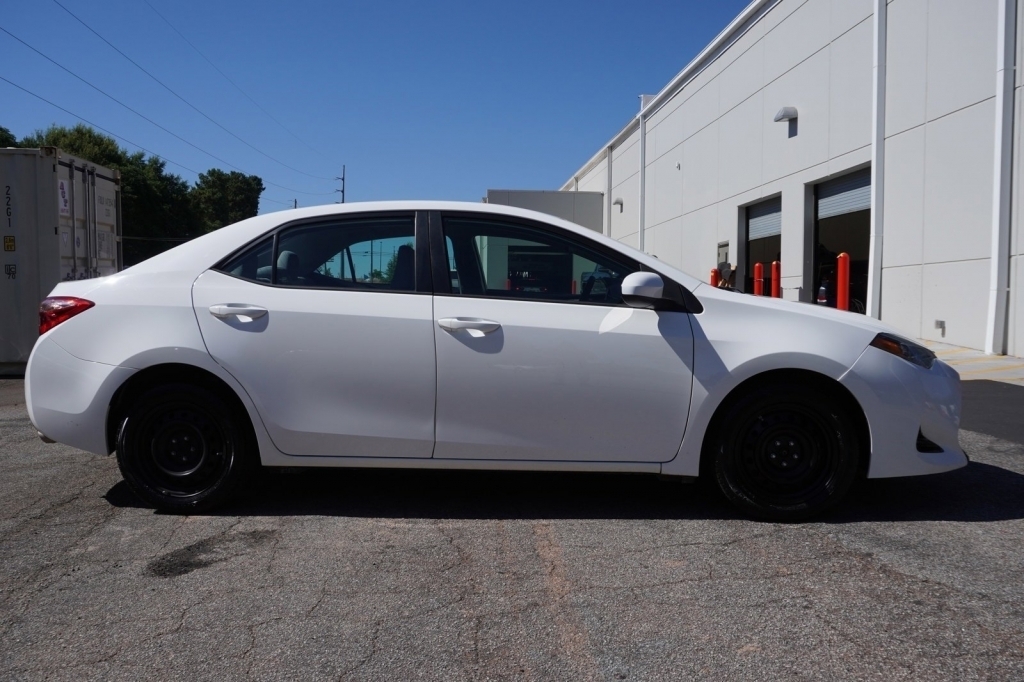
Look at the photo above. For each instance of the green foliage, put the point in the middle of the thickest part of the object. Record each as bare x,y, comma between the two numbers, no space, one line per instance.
80,141
159,209
221,198
7,138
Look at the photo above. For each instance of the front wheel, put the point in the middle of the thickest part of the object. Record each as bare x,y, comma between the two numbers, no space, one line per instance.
786,452
182,449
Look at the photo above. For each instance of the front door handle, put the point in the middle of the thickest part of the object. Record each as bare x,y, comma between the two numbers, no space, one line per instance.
222,310
451,324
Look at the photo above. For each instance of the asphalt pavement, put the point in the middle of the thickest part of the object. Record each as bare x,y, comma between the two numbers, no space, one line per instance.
392,575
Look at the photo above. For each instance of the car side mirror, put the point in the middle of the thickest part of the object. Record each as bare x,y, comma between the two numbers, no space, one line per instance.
644,290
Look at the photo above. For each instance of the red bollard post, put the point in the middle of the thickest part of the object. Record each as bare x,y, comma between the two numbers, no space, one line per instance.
713,279
776,279
843,281
758,279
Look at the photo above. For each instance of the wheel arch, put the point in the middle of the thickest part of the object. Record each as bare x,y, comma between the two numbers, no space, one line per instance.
817,381
168,373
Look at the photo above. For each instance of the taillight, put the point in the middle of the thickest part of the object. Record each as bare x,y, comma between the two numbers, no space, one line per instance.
57,309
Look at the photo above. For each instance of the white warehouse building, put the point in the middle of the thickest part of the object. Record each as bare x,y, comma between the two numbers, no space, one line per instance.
886,130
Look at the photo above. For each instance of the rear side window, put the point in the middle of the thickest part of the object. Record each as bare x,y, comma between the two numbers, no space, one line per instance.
255,264
376,254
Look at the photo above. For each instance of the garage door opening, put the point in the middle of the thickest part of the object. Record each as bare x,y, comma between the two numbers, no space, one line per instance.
764,238
843,225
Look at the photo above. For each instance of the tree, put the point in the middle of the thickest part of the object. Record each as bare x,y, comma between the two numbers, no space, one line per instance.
223,198
80,141
7,138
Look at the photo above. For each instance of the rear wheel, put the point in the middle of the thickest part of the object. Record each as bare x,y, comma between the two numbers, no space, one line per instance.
786,452
182,449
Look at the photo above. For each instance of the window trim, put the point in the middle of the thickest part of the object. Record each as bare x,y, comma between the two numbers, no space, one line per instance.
684,300
419,225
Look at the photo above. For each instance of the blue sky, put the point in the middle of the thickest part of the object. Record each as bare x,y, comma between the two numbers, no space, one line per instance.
419,100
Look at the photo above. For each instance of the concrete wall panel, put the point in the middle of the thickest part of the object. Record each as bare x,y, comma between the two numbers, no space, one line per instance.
698,242
626,160
961,54
1017,193
625,222
664,189
669,134
848,13
700,169
904,199
806,88
957,293
906,65
958,184
699,111
1015,327
669,241
800,35
739,147
901,299
851,89
742,78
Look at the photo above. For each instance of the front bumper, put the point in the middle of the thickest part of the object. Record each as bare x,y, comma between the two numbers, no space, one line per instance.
902,400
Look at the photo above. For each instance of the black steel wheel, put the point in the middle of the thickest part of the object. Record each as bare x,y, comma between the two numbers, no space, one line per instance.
182,449
786,452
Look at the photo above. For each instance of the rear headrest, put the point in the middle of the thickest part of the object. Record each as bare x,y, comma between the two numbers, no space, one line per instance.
288,261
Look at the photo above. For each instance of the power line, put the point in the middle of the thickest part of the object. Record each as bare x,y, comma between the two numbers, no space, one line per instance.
227,78
123,139
194,107
144,117
98,127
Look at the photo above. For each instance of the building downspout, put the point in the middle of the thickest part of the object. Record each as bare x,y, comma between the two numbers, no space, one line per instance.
874,302
999,280
643,180
608,192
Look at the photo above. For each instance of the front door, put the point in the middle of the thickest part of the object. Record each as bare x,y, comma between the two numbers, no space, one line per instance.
539,359
324,328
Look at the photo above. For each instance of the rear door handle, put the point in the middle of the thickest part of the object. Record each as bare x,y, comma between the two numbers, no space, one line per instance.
451,324
223,310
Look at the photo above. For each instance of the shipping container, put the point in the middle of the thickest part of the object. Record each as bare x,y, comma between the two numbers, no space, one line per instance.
62,221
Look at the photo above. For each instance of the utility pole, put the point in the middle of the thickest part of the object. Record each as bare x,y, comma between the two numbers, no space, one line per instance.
342,178
295,203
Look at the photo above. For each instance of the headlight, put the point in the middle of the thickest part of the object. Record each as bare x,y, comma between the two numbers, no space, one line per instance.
908,350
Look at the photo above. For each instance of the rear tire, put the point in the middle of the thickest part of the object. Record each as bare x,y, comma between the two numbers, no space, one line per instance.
786,451
183,449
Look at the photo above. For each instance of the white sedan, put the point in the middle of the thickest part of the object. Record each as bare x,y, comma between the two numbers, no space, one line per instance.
449,335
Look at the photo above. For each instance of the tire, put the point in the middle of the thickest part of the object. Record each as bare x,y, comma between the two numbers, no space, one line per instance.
786,451
183,450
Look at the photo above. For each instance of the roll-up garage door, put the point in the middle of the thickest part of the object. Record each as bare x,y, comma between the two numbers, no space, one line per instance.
848,194
764,219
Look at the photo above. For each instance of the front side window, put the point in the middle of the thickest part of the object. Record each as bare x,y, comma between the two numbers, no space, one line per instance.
501,260
372,254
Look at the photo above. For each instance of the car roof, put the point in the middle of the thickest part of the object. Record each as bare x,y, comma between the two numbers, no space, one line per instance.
204,252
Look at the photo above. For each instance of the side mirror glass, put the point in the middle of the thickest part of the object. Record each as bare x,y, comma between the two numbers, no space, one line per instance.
643,290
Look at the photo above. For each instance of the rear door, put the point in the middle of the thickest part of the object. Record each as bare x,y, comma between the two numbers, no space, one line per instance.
330,331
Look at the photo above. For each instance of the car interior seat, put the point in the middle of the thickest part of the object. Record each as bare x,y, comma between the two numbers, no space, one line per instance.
404,278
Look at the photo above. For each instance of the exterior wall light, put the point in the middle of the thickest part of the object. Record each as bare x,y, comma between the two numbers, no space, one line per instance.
618,202
789,115
786,114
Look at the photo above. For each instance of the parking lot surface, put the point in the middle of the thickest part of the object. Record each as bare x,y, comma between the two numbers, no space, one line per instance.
397,575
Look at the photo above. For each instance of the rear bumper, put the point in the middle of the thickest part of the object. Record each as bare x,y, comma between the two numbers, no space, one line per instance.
900,400
67,398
